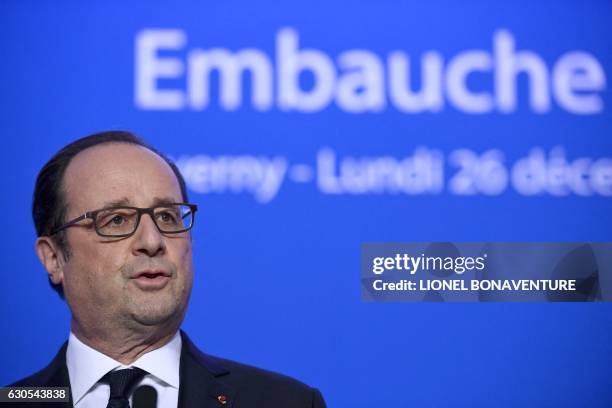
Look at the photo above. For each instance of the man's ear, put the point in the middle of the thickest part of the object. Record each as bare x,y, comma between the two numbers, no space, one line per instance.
52,258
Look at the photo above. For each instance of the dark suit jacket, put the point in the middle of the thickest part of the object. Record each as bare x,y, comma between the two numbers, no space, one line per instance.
206,381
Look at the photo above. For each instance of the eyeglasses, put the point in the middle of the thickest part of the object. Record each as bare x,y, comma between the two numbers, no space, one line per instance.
123,221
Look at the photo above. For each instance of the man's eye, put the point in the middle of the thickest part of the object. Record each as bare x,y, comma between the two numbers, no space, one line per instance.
113,220
117,220
167,217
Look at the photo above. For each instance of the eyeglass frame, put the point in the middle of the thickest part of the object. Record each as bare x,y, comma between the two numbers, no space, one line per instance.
139,210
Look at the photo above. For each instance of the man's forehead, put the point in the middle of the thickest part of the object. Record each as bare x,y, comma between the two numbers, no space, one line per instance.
119,172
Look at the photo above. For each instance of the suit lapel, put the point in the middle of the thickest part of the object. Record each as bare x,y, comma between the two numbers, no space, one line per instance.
54,375
59,376
201,383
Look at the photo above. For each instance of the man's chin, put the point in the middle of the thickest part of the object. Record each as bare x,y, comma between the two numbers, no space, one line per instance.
156,313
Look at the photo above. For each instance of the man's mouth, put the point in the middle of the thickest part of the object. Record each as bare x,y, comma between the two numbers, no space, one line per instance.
151,280
152,274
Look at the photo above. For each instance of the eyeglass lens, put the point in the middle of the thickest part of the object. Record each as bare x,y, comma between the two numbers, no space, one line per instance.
123,221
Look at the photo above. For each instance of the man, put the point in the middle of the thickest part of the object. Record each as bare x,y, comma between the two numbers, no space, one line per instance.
113,224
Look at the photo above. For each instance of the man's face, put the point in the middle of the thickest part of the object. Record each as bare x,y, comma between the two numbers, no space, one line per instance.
142,280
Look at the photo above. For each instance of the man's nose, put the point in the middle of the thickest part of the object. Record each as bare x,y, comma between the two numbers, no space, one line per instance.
147,238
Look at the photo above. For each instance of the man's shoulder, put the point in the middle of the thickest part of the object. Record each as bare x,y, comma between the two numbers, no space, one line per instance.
267,387
256,377
257,385
35,380
54,374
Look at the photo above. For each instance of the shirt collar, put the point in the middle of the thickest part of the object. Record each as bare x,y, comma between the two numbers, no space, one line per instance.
86,366
163,362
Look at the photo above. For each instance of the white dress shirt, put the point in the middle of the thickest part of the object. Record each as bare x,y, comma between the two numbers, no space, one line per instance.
87,366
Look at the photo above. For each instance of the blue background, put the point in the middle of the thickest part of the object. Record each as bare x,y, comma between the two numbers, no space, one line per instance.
283,278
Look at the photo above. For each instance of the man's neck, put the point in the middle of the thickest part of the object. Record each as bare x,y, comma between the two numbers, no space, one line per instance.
124,346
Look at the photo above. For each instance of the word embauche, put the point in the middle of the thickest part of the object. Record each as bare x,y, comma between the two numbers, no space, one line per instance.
360,80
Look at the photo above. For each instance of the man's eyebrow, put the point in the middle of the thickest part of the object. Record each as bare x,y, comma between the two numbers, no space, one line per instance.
121,202
165,200
116,203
